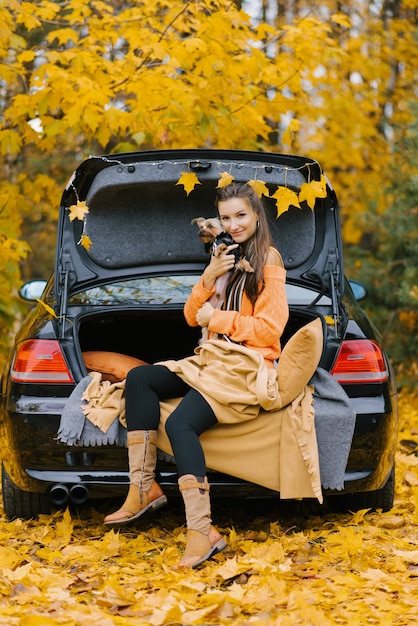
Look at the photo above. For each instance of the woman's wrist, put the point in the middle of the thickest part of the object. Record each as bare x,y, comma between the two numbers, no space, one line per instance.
208,280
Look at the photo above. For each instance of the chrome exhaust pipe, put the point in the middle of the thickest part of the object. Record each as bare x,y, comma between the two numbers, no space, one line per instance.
79,494
59,495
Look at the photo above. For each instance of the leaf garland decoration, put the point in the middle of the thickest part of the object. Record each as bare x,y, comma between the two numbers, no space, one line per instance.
51,311
85,242
47,308
313,190
259,187
285,198
189,180
225,180
78,211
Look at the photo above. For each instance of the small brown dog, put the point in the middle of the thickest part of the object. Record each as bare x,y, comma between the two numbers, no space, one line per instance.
216,241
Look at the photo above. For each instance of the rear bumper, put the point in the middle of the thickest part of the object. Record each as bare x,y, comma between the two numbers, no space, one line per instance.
101,485
35,461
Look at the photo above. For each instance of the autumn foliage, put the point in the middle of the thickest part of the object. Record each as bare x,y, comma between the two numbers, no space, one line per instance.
281,567
332,81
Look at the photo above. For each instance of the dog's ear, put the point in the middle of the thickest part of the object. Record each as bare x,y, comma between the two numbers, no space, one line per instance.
198,220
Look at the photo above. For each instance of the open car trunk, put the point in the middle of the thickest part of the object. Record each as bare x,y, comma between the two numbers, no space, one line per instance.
153,335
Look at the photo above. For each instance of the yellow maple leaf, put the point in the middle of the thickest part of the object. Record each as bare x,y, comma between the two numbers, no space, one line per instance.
225,180
78,211
85,242
259,187
231,568
27,56
285,198
47,308
189,180
311,191
64,529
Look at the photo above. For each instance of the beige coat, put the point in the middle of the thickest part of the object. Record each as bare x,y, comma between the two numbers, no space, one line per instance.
276,449
257,438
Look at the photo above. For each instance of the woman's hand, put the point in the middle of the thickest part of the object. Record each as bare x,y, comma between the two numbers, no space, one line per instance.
219,265
204,314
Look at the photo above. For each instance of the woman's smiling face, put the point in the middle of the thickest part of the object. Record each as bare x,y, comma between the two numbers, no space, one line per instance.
238,218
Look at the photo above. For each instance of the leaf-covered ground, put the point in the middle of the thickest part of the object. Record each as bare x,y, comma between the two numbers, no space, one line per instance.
281,568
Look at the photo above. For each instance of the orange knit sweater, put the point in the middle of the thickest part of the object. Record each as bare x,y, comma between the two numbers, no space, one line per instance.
259,327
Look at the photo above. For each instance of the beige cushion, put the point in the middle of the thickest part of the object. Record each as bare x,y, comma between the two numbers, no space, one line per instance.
299,359
112,365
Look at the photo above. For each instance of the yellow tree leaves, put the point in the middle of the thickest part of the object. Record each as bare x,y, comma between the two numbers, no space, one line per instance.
86,77
176,74
203,73
13,251
351,98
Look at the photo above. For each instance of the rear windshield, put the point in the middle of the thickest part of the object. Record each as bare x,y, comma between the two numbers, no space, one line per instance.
153,290
160,290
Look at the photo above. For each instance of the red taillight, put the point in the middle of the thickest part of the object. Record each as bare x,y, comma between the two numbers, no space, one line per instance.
360,361
40,361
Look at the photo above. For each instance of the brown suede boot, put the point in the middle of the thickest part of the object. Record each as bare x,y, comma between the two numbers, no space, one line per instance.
144,493
203,540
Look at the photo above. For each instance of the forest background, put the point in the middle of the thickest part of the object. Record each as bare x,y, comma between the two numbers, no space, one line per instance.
333,81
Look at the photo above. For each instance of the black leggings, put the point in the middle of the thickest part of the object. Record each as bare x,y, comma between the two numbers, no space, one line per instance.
145,387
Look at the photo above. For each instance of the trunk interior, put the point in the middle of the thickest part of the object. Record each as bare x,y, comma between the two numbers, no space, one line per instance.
154,335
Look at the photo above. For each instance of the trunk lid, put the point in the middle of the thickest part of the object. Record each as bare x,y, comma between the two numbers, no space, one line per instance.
139,217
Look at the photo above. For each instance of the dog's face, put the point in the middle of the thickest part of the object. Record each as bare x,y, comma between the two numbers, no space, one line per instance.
222,241
208,227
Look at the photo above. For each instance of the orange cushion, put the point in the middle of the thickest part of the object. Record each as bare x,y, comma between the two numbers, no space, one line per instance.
112,365
299,359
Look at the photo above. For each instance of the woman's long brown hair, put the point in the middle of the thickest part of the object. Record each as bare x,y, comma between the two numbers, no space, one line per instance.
255,249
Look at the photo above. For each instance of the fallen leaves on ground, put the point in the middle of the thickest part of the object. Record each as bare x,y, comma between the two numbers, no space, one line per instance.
283,566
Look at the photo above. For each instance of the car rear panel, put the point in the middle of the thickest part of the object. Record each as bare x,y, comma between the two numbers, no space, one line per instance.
139,222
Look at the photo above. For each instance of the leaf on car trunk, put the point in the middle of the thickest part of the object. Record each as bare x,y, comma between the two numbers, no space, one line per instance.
285,198
78,211
259,187
225,180
189,180
85,242
313,190
47,307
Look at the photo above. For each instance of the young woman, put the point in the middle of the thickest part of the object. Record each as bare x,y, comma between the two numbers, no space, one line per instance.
253,314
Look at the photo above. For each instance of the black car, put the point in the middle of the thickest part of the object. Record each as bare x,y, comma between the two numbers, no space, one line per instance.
125,294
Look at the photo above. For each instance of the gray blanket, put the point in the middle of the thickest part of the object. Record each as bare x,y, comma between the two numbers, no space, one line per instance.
76,430
334,425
